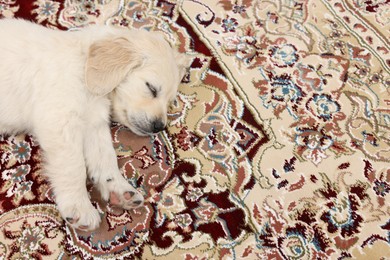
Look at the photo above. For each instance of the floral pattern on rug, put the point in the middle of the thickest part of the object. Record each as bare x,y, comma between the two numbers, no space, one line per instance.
278,144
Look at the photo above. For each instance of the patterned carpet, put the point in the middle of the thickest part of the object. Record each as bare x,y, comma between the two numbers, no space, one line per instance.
278,145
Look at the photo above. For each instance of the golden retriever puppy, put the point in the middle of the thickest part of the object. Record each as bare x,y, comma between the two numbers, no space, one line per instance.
63,86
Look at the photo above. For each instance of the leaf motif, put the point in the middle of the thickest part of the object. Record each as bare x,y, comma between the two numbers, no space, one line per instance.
256,214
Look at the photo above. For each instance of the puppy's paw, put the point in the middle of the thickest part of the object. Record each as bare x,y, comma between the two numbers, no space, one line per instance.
79,213
126,199
118,192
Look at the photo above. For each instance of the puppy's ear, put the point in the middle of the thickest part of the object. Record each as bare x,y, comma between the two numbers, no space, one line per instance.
183,62
108,63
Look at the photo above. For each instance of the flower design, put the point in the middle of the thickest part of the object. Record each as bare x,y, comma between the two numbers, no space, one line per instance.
379,181
373,6
313,78
194,194
342,215
244,46
361,71
47,11
310,95
87,6
280,92
338,47
15,183
323,106
340,206
301,241
229,24
31,232
144,156
21,151
298,237
284,55
336,34
30,240
137,15
381,188
118,220
313,141
16,175
375,78
183,220
316,143
80,13
8,8
322,74
237,7
285,90
23,188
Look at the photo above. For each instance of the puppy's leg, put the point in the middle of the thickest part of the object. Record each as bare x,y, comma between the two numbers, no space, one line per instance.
63,151
103,169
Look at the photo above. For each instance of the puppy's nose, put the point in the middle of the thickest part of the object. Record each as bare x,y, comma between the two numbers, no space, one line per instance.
158,126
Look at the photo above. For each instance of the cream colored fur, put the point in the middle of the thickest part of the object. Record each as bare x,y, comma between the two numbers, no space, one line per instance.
62,86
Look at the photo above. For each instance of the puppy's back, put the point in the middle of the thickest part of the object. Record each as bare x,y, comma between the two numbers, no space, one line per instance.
34,64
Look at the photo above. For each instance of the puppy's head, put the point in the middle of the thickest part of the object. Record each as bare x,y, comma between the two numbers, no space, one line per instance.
141,73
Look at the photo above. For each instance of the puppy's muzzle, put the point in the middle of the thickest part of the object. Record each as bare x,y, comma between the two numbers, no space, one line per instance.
147,127
157,126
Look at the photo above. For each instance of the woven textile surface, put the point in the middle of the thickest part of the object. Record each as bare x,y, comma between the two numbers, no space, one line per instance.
278,145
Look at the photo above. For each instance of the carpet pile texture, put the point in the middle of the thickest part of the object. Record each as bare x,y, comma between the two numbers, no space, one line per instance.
278,145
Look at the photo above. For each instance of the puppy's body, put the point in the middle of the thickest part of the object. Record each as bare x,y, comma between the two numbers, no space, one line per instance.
61,86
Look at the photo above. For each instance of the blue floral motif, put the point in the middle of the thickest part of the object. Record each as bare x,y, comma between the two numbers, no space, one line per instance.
381,188
21,151
49,8
285,90
20,173
280,92
323,106
23,187
296,245
46,11
229,24
283,56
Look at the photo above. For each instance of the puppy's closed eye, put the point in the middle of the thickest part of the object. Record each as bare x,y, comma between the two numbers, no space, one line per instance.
152,89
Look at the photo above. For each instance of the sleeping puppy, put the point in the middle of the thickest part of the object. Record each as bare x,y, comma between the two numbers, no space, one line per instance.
63,86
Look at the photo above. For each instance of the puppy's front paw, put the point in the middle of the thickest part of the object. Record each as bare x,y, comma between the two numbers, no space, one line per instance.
126,199
118,192
79,213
